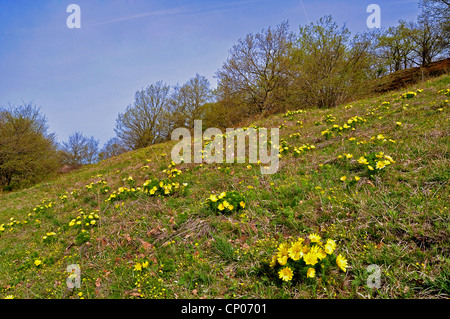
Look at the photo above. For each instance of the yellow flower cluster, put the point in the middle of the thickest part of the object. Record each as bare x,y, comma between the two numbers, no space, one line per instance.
42,208
446,92
104,188
85,220
299,150
290,113
376,161
382,138
285,148
226,202
304,255
171,173
48,237
408,95
139,266
349,125
330,118
161,187
149,187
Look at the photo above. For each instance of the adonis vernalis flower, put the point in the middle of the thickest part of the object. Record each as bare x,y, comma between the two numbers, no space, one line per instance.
310,258
286,274
330,246
341,262
314,238
296,251
282,260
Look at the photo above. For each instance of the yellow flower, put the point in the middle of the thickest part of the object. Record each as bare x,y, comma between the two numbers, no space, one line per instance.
225,204
222,195
330,246
320,254
242,204
145,264
311,273
314,238
230,207
286,274
282,260
283,250
343,178
370,167
363,160
221,207
138,267
37,262
296,251
213,198
274,260
93,222
390,159
341,262
310,258
398,123
380,165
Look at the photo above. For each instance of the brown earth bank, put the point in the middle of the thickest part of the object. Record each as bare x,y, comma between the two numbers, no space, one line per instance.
403,78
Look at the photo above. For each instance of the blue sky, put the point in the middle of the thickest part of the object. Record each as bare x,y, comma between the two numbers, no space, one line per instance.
82,78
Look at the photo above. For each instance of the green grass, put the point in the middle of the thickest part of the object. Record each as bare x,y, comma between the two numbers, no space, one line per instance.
397,218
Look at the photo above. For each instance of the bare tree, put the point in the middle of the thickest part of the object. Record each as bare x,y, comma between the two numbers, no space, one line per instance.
141,124
257,69
113,147
396,47
188,102
79,150
428,41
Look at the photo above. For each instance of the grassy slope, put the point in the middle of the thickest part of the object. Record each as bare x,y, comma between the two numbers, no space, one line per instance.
398,220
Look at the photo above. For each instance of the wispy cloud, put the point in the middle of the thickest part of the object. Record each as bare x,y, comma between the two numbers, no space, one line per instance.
172,11
304,11
188,9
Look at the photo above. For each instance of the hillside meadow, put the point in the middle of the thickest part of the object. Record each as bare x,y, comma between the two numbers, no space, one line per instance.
365,183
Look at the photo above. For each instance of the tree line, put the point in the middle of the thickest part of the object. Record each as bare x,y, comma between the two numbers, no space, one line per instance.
321,66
